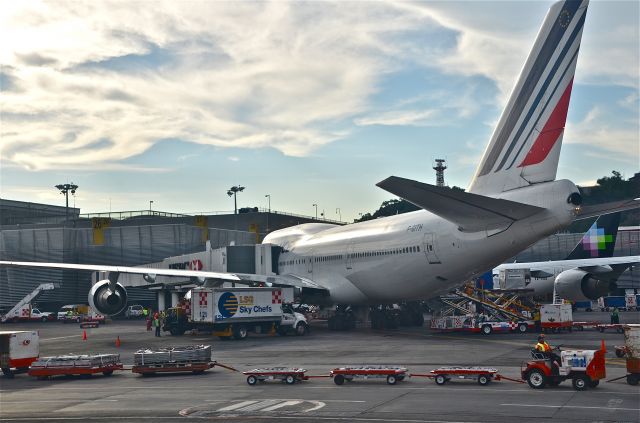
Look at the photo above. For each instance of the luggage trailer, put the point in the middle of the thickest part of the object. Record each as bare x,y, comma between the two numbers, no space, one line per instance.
483,375
393,374
173,367
288,375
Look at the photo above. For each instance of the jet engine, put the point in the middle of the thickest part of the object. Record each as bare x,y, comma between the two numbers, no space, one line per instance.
578,285
106,300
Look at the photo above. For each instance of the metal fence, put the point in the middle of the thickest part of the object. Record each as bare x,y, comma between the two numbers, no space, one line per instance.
124,245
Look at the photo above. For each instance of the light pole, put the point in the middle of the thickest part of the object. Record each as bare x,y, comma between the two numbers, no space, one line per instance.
316,206
268,196
64,190
339,213
234,190
150,203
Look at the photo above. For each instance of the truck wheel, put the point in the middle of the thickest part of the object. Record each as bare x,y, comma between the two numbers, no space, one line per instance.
523,328
391,380
338,379
619,352
240,332
252,380
536,379
633,379
441,379
176,332
44,319
580,382
7,372
483,380
290,380
301,329
107,372
486,330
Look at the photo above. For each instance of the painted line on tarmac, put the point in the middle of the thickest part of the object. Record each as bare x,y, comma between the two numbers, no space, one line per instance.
479,389
60,400
60,337
571,406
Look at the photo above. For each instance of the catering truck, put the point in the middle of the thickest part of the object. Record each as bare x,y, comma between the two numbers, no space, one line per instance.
234,312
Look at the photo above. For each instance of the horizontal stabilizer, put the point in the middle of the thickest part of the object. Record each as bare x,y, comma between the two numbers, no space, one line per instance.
471,212
606,208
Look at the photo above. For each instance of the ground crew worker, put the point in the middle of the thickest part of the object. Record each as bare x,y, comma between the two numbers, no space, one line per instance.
615,317
156,323
546,350
537,320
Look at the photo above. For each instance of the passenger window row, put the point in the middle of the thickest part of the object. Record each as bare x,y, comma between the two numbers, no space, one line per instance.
364,254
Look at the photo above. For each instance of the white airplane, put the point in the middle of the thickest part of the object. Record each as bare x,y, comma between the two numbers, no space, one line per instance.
589,272
512,202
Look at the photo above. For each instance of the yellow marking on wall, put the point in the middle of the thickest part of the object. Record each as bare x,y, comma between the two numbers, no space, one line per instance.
253,227
203,222
99,224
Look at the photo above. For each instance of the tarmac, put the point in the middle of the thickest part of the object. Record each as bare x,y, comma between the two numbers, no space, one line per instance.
223,395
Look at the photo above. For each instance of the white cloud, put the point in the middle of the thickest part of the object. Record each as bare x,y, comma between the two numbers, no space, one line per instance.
99,82
401,118
606,141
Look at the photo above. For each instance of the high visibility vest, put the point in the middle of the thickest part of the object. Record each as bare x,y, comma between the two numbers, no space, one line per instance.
543,347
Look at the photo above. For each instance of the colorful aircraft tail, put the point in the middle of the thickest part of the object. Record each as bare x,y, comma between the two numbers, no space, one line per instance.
525,145
599,240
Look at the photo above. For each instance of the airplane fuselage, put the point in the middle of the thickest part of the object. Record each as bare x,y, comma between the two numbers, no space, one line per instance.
415,255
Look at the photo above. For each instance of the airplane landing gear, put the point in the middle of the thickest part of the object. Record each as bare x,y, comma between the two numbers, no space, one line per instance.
343,319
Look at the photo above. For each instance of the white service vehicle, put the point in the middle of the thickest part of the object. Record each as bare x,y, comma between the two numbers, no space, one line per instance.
18,349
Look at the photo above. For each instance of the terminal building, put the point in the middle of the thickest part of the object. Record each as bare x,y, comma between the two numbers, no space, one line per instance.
40,232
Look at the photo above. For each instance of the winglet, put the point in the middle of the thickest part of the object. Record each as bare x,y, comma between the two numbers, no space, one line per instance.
471,212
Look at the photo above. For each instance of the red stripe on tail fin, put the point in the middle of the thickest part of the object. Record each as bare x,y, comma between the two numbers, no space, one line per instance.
551,131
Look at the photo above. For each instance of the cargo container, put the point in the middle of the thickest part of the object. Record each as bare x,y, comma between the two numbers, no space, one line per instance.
18,349
556,317
233,312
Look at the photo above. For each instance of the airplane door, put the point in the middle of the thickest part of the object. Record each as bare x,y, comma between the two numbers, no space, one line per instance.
349,256
429,246
309,260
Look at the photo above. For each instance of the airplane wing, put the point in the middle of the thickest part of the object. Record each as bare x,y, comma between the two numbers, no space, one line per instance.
587,211
241,278
471,212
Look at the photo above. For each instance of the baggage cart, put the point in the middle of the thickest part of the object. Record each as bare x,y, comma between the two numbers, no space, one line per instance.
175,367
393,374
483,375
619,328
75,365
288,375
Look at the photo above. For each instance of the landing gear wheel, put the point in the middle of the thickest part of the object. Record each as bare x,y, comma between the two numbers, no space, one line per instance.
486,330
536,379
290,380
441,379
580,382
252,380
391,380
523,328
240,332
483,380
338,379
633,379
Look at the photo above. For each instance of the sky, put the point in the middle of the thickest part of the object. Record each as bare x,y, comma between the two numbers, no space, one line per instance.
310,102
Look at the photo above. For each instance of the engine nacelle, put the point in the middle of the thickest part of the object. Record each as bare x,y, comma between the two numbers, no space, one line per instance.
107,301
578,285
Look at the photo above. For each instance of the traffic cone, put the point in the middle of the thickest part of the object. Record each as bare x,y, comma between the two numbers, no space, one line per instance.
84,335
118,342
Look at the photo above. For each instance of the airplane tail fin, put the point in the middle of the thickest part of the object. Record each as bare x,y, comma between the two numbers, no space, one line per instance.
599,240
525,145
